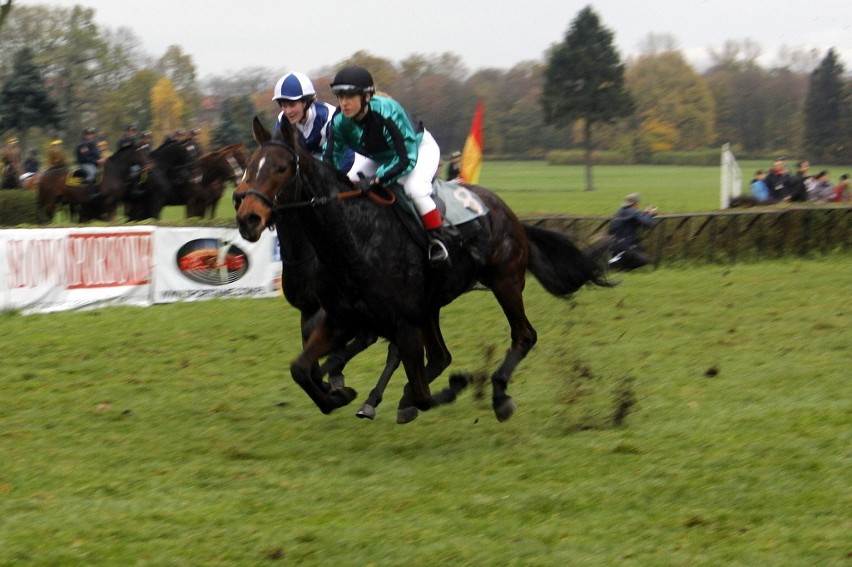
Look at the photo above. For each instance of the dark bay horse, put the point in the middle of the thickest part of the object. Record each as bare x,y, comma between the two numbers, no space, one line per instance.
217,168
126,174
373,274
182,172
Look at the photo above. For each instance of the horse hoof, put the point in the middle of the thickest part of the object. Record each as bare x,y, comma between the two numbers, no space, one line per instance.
504,410
344,396
366,412
406,415
459,382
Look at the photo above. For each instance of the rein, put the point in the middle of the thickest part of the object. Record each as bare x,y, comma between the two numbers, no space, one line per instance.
389,199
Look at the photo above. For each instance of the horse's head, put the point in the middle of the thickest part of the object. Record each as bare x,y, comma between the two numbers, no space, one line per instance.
271,179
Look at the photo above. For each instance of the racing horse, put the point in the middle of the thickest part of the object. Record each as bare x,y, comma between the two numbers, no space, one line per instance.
217,168
373,273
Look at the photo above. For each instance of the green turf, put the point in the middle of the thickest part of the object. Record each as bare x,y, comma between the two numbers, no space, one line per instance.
173,435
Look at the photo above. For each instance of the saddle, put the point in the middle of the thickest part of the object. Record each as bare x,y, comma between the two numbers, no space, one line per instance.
462,211
77,178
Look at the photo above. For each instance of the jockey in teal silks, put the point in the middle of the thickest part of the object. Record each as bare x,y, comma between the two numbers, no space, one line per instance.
389,149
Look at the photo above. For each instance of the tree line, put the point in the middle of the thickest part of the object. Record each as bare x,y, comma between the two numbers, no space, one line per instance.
60,72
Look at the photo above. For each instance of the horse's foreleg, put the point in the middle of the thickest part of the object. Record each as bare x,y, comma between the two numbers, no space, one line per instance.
510,297
368,408
305,369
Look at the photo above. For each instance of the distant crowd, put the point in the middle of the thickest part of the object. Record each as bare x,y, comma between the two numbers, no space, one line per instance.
779,185
89,153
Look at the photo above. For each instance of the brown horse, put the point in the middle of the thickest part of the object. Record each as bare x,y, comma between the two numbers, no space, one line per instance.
58,187
217,168
373,273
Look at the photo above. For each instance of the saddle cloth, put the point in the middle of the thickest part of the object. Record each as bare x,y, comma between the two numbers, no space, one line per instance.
458,204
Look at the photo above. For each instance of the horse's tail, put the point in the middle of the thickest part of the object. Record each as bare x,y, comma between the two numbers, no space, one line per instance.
560,266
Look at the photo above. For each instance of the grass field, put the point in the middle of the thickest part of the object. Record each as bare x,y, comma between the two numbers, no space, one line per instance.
173,435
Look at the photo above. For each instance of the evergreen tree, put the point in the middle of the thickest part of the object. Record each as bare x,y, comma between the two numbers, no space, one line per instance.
584,80
24,99
234,122
825,112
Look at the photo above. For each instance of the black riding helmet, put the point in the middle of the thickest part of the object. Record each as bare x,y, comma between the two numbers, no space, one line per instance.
353,79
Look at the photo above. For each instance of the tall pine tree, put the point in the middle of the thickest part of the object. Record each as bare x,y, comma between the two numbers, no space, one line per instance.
584,80
24,99
826,112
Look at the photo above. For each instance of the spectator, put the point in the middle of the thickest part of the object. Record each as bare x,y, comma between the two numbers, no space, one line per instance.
627,251
820,190
454,167
797,184
759,189
840,193
776,180
88,155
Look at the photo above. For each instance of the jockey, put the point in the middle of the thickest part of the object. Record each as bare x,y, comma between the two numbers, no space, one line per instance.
55,154
11,159
129,137
396,150
296,97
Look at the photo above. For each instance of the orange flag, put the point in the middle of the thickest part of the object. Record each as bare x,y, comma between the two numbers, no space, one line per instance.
471,162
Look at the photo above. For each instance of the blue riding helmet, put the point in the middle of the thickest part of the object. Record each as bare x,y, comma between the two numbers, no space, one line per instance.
293,86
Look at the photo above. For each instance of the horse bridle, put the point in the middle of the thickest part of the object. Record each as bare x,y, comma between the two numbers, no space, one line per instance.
273,203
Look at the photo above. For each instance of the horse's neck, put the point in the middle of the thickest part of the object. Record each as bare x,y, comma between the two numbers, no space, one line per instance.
296,248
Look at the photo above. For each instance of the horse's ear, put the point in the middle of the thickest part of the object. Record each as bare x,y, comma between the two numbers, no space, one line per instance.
261,134
286,133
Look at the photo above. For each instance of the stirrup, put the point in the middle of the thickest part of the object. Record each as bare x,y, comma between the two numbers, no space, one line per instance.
439,257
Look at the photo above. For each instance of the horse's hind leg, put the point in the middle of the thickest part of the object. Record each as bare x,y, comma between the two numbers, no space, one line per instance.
510,298
337,360
438,359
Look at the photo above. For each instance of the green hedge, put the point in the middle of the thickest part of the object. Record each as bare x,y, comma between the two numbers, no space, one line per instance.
18,207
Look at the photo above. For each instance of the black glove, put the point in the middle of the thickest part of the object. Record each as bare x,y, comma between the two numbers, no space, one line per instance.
366,183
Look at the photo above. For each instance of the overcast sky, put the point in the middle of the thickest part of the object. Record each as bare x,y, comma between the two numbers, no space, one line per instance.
284,35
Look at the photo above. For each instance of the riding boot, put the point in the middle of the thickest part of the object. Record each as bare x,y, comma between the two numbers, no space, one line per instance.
439,256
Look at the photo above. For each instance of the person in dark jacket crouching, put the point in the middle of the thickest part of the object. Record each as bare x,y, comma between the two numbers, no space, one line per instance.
627,250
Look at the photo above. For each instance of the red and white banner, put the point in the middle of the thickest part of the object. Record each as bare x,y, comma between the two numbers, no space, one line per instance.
58,269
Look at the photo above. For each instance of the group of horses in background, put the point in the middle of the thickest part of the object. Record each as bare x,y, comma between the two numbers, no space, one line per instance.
143,183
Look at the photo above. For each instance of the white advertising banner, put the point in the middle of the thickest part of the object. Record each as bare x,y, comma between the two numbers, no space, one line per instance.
43,270
208,263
